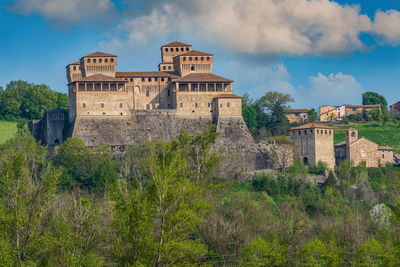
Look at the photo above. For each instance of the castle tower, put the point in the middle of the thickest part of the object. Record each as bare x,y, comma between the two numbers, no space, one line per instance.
73,72
193,62
351,136
314,142
98,63
169,51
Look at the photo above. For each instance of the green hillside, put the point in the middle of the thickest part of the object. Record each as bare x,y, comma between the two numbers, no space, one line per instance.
374,131
7,130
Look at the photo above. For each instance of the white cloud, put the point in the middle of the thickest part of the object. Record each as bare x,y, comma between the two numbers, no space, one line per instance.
387,25
331,89
65,12
290,27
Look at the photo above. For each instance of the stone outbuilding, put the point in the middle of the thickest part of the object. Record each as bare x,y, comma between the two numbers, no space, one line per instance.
314,142
362,150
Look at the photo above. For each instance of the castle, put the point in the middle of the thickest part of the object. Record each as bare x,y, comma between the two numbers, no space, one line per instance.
121,108
183,83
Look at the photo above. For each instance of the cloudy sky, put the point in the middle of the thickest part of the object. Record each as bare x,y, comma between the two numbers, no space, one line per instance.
319,51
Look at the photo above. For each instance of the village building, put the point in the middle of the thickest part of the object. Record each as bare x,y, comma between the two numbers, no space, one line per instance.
314,142
362,151
337,113
297,115
395,107
184,83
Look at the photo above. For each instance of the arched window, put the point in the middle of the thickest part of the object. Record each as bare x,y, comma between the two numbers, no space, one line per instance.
190,58
111,60
100,60
94,60
149,79
169,67
192,68
166,49
177,49
88,60
147,92
187,48
74,68
184,58
208,58
164,68
181,49
106,60
196,59
353,134
202,58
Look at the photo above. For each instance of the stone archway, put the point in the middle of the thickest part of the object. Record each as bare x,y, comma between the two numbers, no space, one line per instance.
305,161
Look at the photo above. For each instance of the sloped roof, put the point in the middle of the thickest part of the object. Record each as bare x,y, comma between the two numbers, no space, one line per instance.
175,44
227,96
297,110
99,78
146,74
311,126
74,63
341,143
202,77
99,54
363,106
195,53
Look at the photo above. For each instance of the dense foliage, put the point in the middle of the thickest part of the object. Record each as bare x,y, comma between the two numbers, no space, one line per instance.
21,99
164,204
372,98
269,111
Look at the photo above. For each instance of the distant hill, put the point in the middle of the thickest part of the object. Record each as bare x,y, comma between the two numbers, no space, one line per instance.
374,131
7,130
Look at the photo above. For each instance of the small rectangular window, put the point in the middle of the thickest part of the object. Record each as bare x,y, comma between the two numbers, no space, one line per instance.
228,104
147,92
112,60
162,79
181,105
220,105
84,105
120,105
148,106
149,79
195,105
209,104
168,92
142,79
102,105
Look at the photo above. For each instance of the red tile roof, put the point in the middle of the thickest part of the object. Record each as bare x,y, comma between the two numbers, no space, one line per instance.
145,74
297,110
363,106
99,54
227,96
99,78
341,143
194,53
202,77
175,44
311,126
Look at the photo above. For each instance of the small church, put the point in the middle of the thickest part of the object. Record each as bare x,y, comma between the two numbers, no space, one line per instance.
314,142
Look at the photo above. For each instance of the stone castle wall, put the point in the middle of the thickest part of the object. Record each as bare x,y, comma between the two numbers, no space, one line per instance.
234,142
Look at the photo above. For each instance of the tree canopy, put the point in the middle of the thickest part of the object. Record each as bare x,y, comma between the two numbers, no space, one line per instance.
372,98
21,99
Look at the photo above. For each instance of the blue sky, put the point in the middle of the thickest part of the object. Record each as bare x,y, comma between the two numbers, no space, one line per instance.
319,51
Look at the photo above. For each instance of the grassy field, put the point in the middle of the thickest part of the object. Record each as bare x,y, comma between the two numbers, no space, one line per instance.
374,131
7,130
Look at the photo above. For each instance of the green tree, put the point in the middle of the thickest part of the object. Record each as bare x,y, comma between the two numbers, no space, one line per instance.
28,186
275,104
374,253
78,232
249,113
167,212
372,98
260,252
312,115
318,253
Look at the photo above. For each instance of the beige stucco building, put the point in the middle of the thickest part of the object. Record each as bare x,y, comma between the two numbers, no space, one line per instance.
362,150
297,115
184,83
313,143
